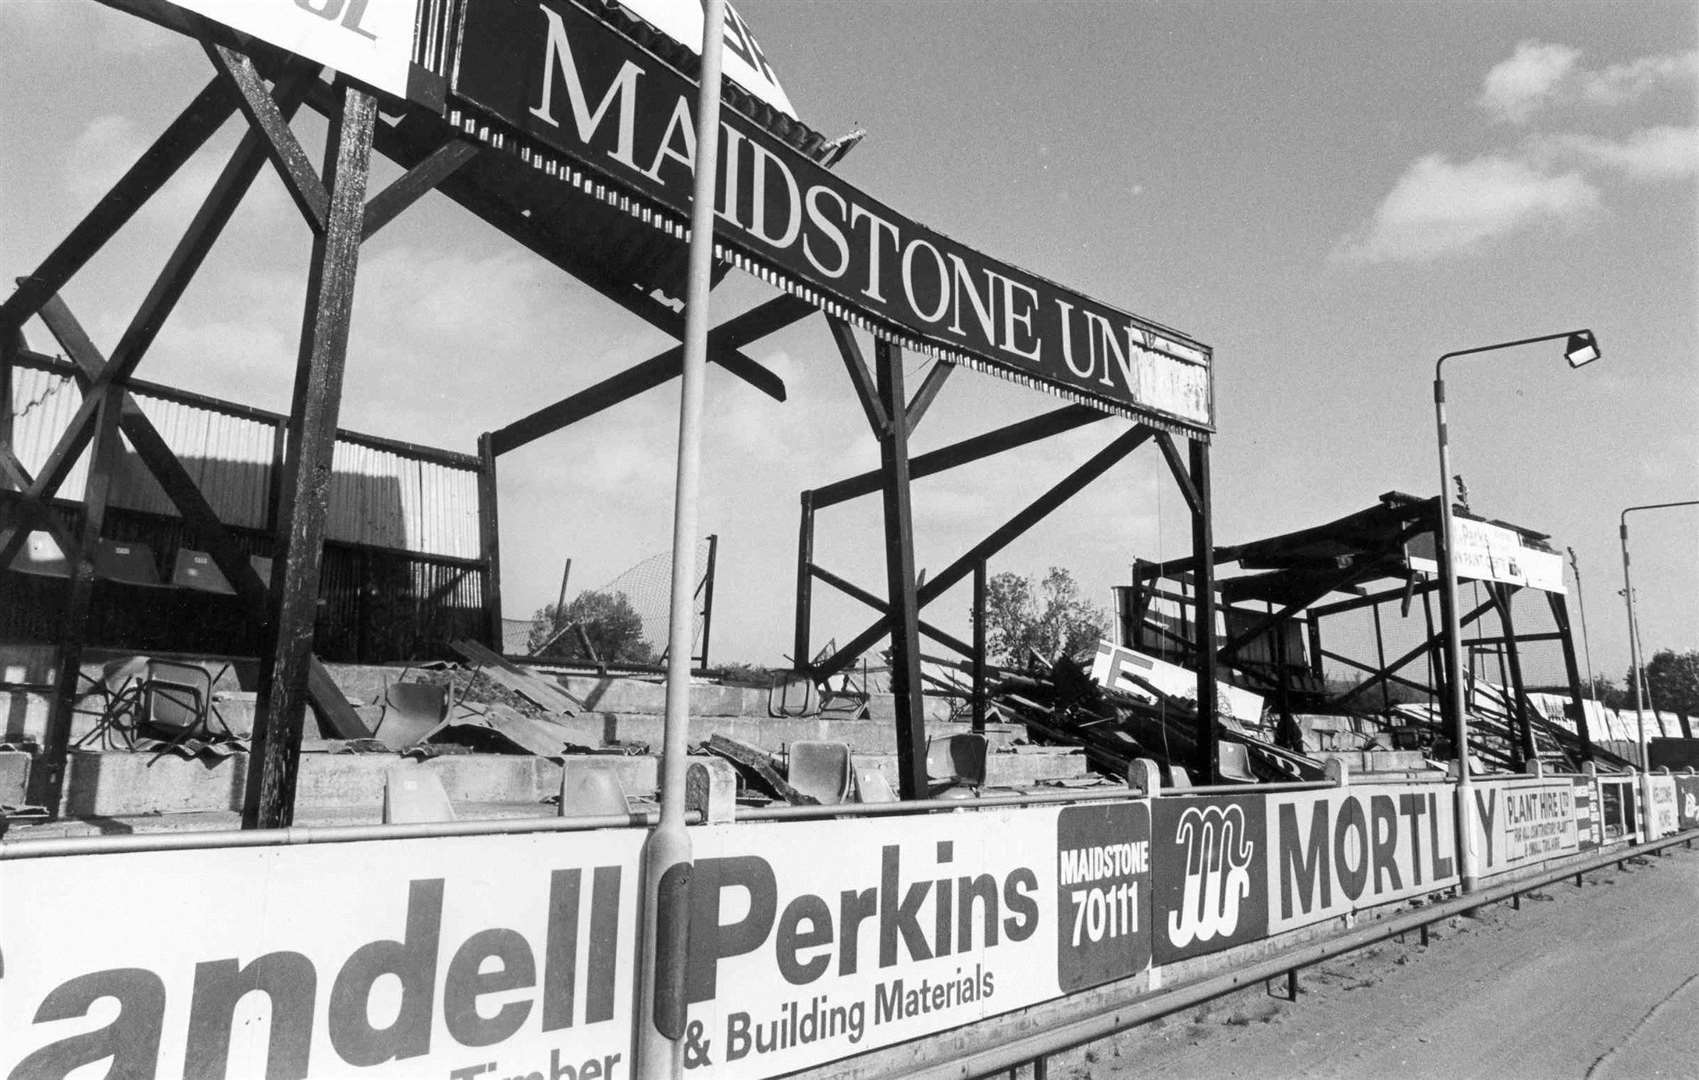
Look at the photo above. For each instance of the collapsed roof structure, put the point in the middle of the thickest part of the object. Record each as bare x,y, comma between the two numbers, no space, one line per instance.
565,125
1287,588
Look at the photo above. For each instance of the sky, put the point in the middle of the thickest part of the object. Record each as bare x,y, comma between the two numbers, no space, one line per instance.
1330,195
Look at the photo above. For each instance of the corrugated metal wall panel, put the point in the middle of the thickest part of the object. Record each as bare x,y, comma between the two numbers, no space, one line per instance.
378,497
42,406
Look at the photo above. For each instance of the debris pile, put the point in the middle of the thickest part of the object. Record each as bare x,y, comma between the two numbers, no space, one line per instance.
1061,704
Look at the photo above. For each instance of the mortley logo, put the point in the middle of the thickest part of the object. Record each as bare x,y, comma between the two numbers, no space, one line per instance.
1210,886
1218,859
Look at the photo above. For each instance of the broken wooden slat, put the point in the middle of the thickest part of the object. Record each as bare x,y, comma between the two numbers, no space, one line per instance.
527,684
758,763
331,704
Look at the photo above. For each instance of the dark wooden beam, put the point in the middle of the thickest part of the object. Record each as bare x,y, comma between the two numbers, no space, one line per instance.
1572,669
158,164
1427,647
49,787
286,665
1375,599
197,241
866,391
1203,626
929,387
724,341
1020,433
278,139
800,646
1182,480
1006,534
856,592
1523,745
421,179
904,611
489,542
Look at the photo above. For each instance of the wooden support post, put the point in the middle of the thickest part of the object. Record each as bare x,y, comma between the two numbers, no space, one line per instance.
1292,985
1572,669
48,788
1203,553
1380,659
489,543
284,666
801,657
899,575
979,591
1522,723
707,591
1425,925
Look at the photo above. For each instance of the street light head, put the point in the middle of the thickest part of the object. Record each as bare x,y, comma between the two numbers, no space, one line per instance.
1581,349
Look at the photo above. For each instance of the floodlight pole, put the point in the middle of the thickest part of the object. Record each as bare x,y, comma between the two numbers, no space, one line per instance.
660,1042
1466,862
1634,632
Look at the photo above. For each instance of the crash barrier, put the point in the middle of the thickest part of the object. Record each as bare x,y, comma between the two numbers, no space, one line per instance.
509,949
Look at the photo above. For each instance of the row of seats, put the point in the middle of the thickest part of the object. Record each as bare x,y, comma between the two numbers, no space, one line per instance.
132,563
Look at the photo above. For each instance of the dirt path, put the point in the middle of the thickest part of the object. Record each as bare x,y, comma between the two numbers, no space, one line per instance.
1600,982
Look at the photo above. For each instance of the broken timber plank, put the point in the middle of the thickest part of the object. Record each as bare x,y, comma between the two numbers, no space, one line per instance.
528,684
331,704
759,763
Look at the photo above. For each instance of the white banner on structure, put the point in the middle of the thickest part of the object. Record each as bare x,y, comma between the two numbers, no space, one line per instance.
369,40
502,955
1488,552
1113,663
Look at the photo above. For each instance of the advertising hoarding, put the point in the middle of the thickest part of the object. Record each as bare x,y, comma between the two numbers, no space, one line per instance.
815,941
1518,822
387,959
1334,852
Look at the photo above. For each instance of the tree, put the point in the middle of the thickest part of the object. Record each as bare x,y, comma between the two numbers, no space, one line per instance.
610,622
1048,617
1672,682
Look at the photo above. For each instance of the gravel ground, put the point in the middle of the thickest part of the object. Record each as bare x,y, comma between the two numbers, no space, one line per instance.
1600,982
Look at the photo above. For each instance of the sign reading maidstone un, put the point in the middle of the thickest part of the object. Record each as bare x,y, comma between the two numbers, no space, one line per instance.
558,75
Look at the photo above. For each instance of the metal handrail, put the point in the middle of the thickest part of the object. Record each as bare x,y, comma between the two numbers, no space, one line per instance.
1109,1020
318,834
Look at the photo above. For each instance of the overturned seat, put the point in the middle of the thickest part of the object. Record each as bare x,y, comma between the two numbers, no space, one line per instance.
824,770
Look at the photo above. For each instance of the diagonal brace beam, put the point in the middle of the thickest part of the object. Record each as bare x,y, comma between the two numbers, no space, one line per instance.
285,150
1034,512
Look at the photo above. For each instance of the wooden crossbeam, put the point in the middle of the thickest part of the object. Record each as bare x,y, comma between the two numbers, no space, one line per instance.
866,392
278,139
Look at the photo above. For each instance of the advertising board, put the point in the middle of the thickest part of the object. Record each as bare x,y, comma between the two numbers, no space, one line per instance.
369,40
814,941
556,74
1589,828
1211,890
1618,808
1488,552
1663,818
1687,802
1333,852
453,957
1518,822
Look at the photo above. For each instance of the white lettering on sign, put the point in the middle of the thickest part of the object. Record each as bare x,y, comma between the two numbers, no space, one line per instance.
1218,875
504,955
369,40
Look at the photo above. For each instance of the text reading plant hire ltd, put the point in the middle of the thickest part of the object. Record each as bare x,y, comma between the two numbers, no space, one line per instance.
559,75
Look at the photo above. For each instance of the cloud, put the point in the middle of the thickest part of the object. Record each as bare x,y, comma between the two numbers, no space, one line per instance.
1439,208
1541,76
1516,88
1655,153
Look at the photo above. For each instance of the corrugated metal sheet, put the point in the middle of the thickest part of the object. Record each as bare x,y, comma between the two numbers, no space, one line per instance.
42,407
378,497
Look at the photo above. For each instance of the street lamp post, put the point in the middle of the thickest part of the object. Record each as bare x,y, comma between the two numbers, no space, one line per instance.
1634,657
1581,348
